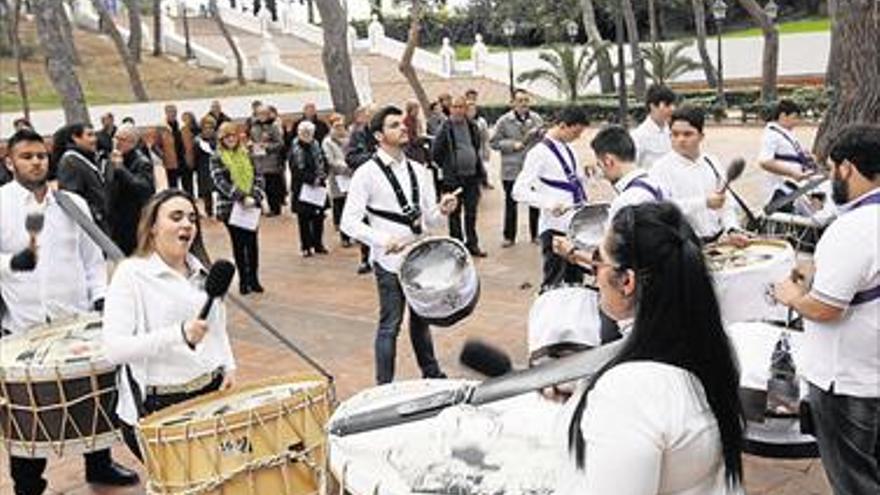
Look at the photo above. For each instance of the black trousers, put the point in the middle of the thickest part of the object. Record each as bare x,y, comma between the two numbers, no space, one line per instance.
246,251
27,474
338,204
469,199
311,227
186,179
173,175
153,403
556,269
510,214
275,192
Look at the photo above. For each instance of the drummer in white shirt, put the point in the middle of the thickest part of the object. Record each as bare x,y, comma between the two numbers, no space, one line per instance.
841,312
58,273
782,157
552,180
151,325
652,136
396,197
693,180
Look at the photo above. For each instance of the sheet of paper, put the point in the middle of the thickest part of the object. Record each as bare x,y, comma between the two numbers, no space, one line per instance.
245,217
343,182
313,195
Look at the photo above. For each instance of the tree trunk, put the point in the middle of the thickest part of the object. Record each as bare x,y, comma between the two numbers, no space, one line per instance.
700,23
67,31
632,29
239,62
134,76
405,66
652,21
135,36
834,53
157,28
337,60
59,65
856,98
770,63
603,61
15,41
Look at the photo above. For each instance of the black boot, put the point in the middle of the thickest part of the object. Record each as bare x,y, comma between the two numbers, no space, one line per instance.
101,470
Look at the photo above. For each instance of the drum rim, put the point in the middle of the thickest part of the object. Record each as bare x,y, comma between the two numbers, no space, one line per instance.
569,231
152,422
434,238
785,253
46,448
427,385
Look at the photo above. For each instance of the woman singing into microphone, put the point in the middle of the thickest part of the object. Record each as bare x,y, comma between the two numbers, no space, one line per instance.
151,324
663,416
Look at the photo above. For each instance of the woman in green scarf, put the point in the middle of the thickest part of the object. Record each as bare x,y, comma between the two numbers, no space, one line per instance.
240,188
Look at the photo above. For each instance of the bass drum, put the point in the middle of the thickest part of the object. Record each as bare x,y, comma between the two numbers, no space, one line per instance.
440,281
57,392
768,434
502,447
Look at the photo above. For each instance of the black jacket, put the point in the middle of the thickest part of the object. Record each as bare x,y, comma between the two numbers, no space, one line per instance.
360,148
105,140
443,152
132,187
90,176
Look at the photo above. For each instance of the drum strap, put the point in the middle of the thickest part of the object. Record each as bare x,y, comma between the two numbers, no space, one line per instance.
411,215
801,158
873,293
135,392
572,184
641,184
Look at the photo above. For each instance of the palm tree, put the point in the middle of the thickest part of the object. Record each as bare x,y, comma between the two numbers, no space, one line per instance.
668,64
569,71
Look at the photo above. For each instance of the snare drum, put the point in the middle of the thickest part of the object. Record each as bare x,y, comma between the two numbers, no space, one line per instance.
503,447
767,436
439,280
57,393
260,438
802,232
564,315
744,278
587,226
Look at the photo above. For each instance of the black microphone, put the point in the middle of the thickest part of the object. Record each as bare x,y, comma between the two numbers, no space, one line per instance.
217,284
33,222
485,359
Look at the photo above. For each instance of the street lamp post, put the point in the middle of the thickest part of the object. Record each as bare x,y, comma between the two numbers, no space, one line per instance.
182,11
719,12
509,28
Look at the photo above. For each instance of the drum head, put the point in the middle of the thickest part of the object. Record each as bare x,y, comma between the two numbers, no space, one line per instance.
759,254
440,281
565,315
72,346
587,227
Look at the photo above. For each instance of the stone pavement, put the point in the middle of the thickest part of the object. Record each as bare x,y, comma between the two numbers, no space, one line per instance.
323,306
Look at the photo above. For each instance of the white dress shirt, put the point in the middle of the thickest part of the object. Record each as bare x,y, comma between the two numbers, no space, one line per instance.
146,305
648,429
689,183
780,145
370,187
846,353
652,142
542,163
635,188
70,274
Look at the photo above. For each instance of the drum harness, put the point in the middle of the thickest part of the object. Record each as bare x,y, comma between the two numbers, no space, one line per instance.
411,215
572,184
115,254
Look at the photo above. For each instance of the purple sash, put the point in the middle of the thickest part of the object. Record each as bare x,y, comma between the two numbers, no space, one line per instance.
638,182
572,185
873,293
801,158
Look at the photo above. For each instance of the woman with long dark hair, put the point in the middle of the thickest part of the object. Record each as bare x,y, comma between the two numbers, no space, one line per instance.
664,415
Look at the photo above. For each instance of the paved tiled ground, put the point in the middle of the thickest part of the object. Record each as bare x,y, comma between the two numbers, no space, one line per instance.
323,306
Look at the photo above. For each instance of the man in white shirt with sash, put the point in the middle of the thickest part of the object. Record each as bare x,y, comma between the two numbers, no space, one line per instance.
61,271
396,196
694,180
552,180
841,311
652,136
782,156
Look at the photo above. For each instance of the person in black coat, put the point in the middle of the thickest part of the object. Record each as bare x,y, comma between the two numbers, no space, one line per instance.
308,168
310,114
105,135
132,187
360,148
456,149
82,170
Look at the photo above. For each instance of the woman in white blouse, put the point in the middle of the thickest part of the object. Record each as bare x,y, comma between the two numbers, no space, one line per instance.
663,416
151,324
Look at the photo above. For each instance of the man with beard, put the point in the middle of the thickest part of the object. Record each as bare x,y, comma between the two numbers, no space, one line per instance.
82,170
841,312
132,187
64,269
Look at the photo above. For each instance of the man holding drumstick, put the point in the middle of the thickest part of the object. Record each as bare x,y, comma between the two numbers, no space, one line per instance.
43,274
396,196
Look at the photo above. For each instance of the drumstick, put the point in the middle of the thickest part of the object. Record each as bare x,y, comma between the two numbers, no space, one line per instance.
457,191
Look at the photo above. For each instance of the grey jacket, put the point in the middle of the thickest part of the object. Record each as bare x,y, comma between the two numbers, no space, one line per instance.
509,130
334,154
271,162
